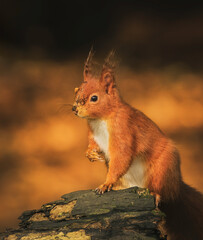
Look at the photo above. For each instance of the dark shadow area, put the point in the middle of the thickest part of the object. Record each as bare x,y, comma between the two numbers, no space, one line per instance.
146,33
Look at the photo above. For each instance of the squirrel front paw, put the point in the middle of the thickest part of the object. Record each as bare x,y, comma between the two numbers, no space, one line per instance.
94,155
104,188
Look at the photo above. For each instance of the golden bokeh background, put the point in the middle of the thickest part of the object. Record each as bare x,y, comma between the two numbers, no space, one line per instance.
42,149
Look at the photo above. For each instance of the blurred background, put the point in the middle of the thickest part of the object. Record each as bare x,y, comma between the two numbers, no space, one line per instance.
43,46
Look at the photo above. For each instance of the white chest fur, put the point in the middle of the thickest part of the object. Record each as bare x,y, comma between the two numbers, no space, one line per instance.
101,135
135,174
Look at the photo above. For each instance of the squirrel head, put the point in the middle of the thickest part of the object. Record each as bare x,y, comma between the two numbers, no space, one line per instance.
97,95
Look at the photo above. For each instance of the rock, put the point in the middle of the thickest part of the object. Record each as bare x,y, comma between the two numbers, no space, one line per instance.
124,214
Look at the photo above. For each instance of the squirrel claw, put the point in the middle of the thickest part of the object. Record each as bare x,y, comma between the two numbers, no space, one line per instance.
104,188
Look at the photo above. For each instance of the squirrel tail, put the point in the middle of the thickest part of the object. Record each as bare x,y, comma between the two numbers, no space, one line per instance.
184,216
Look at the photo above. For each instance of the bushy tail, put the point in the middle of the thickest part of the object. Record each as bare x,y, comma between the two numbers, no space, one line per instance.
184,217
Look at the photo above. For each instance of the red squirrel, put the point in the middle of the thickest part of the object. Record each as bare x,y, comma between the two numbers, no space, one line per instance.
136,152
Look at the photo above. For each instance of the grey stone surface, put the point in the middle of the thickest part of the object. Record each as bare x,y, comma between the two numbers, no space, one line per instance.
124,214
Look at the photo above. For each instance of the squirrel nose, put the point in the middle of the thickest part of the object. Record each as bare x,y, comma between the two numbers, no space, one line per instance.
74,108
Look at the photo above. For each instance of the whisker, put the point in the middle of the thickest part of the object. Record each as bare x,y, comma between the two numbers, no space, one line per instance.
64,108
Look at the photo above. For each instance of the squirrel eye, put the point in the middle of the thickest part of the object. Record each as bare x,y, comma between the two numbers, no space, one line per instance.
94,98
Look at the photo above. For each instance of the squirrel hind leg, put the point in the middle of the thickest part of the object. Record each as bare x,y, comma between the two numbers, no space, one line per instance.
157,198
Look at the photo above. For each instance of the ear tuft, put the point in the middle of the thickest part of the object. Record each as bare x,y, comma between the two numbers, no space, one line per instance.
110,63
88,64
107,77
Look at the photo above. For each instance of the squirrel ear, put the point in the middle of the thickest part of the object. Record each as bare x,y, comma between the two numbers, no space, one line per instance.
107,81
107,77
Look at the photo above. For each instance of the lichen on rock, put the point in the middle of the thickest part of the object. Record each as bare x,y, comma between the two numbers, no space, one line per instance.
38,217
60,212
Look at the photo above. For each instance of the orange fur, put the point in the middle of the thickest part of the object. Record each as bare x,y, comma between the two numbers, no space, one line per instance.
128,137
92,144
